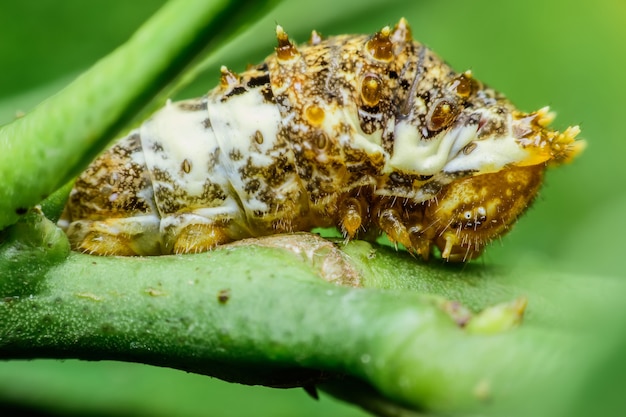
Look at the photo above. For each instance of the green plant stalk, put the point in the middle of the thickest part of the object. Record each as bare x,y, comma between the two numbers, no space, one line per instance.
226,314
46,148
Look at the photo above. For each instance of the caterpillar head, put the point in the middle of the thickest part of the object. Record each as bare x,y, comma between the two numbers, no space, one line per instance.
469,213
483,160
493,162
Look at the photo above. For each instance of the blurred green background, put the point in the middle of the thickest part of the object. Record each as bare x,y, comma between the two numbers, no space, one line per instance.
569,56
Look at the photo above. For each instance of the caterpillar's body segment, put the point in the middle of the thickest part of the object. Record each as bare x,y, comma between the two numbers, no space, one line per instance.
368,134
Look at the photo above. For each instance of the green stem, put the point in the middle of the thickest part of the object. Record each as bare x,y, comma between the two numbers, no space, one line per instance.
68,129
229,314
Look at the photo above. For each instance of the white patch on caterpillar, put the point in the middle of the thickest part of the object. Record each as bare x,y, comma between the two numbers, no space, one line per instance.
489,155
412,153
371,144
175,137
235,122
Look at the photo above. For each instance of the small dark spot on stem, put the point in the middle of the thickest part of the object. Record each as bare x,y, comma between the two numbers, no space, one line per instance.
155,293
21,210
223,296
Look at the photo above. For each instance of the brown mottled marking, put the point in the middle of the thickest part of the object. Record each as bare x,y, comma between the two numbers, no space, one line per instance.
258,137
223,296
186,166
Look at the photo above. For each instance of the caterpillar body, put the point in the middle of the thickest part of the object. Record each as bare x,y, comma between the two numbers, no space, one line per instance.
369,134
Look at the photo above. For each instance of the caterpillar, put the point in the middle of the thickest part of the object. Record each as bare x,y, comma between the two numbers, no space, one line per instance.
369,134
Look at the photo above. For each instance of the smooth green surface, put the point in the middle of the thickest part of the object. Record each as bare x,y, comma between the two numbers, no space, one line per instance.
565,254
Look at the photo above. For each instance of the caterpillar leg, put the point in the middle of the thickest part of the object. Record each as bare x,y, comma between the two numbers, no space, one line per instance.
123,236
142,236
195,238
392,223
99,243
193,233
403,222
352,216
